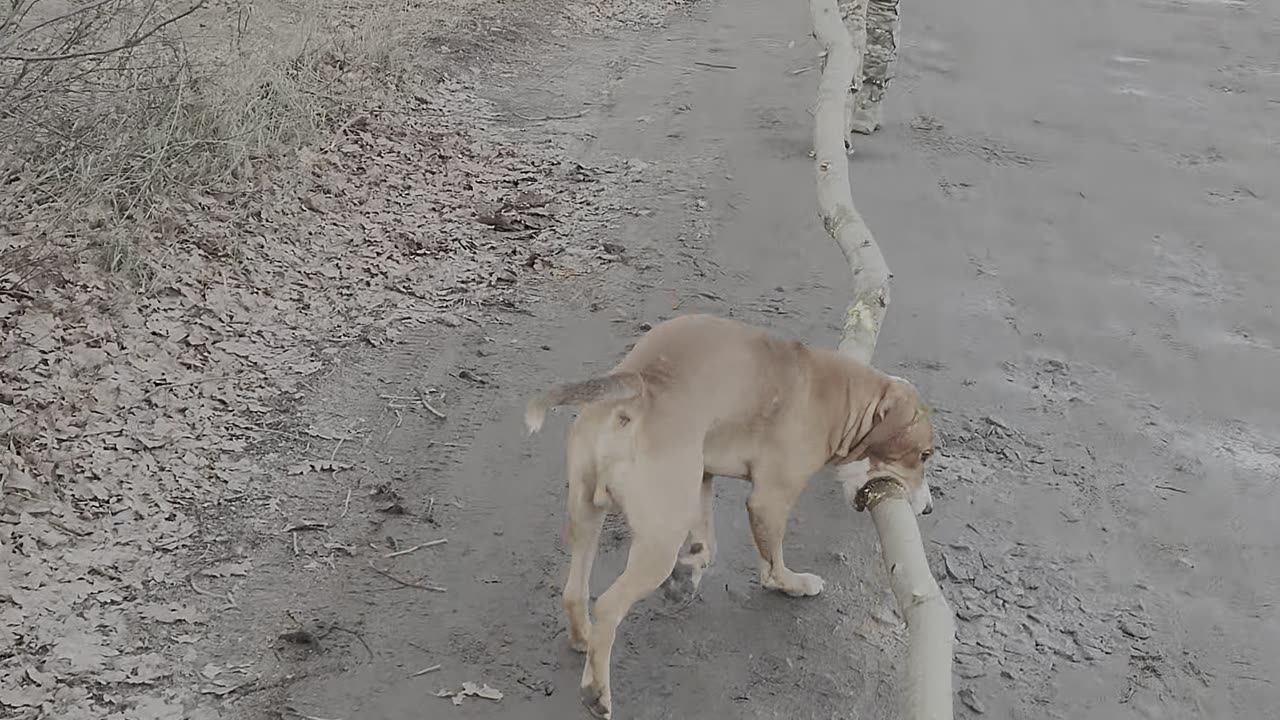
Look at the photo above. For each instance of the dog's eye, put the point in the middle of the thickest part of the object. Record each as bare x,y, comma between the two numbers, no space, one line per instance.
924,456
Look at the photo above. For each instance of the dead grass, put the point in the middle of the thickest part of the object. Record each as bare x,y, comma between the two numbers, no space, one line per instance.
111,111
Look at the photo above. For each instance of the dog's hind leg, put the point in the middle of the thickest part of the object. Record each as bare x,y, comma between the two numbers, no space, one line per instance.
648,563
585,521
660,514
686,577
769,505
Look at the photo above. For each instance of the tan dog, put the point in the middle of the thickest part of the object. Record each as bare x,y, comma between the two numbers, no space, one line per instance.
701,396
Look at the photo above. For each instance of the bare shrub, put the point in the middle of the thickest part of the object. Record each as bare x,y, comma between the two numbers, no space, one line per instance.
112,110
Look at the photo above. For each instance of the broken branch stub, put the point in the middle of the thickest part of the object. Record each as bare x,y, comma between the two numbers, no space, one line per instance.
929,618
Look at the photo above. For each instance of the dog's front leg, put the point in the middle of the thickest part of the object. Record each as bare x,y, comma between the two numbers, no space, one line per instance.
769,505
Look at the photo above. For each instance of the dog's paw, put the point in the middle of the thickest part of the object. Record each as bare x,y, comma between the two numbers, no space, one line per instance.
597,703
680,586
796,584
806,585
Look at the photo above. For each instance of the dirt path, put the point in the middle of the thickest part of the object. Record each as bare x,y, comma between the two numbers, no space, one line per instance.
1078,209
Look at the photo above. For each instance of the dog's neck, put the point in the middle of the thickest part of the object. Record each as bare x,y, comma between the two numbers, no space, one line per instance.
835,374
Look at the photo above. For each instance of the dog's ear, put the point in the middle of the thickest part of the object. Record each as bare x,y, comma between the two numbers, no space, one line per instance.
891,415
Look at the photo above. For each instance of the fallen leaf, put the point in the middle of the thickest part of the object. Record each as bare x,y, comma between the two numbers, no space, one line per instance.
82,652
172,612
239,568
317,466
471,689
23,696
43,679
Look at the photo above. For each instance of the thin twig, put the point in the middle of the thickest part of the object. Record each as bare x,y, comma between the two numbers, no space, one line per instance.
299,527
1170,487
132,42
346,504
416,548
545,118
399,419
718,66
405,583
304,716
426,670
67,528
231,602
164,386
423,397
357,636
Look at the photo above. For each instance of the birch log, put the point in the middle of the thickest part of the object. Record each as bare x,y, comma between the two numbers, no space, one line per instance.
930,622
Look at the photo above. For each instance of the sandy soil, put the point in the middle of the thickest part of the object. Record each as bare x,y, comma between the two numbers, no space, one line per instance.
1076,207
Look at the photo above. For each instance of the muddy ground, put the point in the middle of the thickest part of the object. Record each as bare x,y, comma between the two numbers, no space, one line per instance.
1080,211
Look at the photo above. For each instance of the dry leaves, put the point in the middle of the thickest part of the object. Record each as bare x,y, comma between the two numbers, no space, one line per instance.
613,14
122,411
470,689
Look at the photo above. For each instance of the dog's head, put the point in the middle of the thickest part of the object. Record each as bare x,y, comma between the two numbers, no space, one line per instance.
894,434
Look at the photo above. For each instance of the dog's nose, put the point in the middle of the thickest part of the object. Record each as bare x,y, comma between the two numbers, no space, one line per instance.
928,508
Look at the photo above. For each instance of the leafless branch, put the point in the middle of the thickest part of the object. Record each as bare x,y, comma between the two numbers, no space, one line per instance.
133,41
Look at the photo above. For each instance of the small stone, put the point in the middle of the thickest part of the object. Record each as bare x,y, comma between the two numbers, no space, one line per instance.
986,582
971,701
316,203
956,569
885,616
1134,629
996,421
1007,594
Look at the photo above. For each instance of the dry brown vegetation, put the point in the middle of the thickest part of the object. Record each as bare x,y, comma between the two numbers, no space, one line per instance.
114,110
201,204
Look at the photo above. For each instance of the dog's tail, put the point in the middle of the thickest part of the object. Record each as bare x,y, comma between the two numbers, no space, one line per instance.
615,386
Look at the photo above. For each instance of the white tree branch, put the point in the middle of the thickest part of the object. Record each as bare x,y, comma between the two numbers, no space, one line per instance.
929,619
841,220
